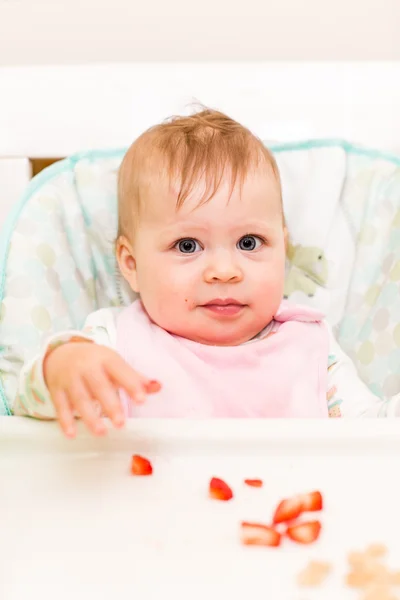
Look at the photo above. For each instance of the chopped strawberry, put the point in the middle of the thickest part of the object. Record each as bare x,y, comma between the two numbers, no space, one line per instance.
255,534
219,490
304,533
140,465
311,502
254,482
291,508
287,510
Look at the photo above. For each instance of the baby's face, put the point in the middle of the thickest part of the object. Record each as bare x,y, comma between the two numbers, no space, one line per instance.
212,273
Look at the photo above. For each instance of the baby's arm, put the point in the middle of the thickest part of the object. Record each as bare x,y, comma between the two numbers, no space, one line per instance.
348,395
33,398
79,375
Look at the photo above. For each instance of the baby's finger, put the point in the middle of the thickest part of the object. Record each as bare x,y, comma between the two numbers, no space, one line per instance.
64,413
83,402
123,376
102,390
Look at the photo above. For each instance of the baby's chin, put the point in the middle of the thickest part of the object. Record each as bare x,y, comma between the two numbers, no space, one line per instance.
212,331
218,336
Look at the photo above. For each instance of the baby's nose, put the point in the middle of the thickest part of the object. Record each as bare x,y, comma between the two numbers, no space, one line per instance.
223,268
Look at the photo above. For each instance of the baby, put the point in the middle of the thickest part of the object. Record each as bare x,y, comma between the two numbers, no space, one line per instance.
202,240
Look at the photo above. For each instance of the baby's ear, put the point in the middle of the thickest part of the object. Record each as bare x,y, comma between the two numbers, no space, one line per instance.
127,262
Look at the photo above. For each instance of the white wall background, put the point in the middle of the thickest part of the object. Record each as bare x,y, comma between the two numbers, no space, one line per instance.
58,110
81,31
120,73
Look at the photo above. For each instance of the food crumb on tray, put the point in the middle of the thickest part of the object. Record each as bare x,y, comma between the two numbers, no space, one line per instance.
367,573
314,574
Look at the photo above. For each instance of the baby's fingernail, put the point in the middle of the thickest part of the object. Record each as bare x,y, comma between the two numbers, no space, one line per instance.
70,432
100,429
153,385
140,398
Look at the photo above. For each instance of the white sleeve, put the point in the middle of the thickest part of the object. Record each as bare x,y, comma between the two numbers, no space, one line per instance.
347,394
101,326
33,398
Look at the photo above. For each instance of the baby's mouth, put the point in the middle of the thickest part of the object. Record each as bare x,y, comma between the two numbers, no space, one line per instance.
224,306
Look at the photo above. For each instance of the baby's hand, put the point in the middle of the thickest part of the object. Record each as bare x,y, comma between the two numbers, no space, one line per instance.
81,376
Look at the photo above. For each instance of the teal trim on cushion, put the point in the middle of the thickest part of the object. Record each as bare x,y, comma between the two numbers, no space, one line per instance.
332,143
37,182
4,402
91,155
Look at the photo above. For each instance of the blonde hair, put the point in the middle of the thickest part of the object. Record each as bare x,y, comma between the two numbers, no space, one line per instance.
204,145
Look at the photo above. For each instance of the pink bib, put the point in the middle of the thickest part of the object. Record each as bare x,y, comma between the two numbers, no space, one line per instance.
282,375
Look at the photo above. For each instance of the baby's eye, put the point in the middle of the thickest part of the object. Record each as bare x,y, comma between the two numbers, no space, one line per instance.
187,246
249,243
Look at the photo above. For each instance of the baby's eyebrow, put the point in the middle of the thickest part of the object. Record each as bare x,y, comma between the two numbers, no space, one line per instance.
183,224
241,225
257,227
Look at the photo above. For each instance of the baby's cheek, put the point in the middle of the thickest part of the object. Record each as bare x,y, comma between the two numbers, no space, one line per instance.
168,297
270,281
268,294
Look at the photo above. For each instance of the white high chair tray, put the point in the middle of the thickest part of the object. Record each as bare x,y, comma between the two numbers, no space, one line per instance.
75,524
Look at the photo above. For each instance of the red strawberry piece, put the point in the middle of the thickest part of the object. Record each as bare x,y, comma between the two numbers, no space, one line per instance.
288,509
255,534
254,482
219,490
311,502
140,465
291,508
304,533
